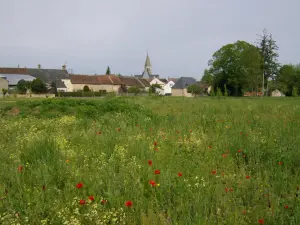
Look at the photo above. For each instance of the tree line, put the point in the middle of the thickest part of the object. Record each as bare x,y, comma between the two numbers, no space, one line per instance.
243,67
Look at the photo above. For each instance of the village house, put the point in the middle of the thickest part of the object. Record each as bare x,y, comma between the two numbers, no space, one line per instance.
181,85
3,84
277,93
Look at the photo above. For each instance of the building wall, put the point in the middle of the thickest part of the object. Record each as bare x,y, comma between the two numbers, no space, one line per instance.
181,92
98,87
68,84
168,87
3,84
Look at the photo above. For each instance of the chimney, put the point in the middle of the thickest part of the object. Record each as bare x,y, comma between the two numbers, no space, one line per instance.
64,67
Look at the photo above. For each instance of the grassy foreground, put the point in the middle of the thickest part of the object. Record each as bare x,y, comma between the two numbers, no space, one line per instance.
150,161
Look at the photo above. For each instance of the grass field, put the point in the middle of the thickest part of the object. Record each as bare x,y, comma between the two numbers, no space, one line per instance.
150,160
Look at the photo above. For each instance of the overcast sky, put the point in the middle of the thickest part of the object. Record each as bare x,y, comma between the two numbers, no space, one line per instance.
180,35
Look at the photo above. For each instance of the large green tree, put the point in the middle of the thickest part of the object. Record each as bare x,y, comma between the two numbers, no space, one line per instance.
232,65
207,77
288,78
195,89
38,86
268,49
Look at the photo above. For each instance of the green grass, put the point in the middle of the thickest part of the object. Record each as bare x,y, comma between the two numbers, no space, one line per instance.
106,144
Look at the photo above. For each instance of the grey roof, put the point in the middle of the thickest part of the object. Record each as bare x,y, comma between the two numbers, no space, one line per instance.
145,74
60,84
13,79
184,82
49,75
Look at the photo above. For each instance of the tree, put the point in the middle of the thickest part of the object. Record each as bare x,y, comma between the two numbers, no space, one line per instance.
22,86
207,77
219,93
212,92
288,78
225,91
4,92
295,92
108,71
38,86
134,90
153,88
230,66
86,88
194,89
268,49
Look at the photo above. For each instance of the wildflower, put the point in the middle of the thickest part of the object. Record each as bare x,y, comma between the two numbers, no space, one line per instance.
286,206
155,143
79,185
91,198
103,201
152,182
241,133
82,202
119,129
226,190
20,168
99,132
156,149
239,151
128,203
261,221
224,155
214,172
179,174
67,161
43,187
157,185
191,131
210,146
280,163
247,177
177,131
244,212
157,172
150,162
231,189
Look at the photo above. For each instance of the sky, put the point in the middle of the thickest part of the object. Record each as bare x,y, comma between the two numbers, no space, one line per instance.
180,36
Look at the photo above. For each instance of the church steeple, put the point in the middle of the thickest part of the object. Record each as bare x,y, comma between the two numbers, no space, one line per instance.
148,66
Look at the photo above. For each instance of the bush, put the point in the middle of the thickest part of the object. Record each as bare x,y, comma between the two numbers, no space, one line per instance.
83,94
134,90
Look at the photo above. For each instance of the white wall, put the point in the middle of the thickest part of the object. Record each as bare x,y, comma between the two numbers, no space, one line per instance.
168,87
68,84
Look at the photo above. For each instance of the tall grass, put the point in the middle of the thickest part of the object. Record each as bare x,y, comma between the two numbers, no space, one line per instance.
239,161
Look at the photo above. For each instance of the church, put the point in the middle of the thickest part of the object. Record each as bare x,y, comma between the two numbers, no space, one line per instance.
147,74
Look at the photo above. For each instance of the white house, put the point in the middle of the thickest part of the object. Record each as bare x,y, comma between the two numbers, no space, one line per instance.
166,86
277,93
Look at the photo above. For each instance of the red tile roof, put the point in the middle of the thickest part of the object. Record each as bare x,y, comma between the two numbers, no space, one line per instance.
14,71
95,79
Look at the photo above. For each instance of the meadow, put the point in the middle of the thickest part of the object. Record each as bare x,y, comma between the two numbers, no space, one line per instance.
150,160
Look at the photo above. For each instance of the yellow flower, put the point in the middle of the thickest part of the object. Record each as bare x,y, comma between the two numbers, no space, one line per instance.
157,185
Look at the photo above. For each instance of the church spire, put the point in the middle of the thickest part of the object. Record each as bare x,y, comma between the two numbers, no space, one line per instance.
148,66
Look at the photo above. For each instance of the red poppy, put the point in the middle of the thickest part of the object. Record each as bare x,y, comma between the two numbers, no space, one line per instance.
179,174
155,143
223,174
99,132
224,155
226,190
150,162
82,202
280,163
286,206
157,172
261,221
119,129
210,146
91,198
128,203
43,187
156,149
245,212
214,172
247,177
191,131
20,168
239,151
231,189
79,185
152,182
103,201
